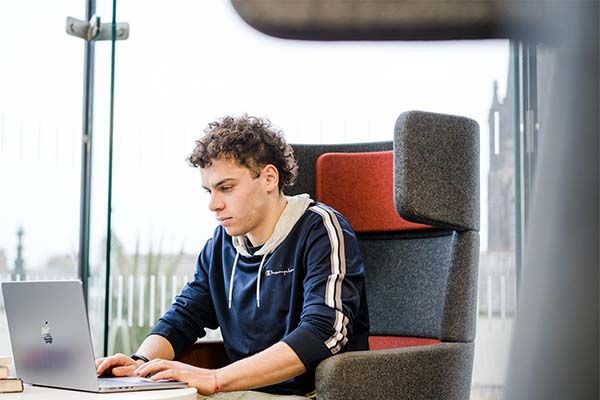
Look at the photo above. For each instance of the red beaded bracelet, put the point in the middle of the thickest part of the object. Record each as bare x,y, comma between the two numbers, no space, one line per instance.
217,386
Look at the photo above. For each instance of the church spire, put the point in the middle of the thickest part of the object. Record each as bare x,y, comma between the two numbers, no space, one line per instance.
19,262
495,100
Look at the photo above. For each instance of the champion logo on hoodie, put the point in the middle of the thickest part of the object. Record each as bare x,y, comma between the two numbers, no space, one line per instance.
283,272
295,208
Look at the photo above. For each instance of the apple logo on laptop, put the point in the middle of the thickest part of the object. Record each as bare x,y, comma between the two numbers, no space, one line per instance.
46,334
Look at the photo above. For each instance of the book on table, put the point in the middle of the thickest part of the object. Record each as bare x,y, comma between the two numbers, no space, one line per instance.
11,385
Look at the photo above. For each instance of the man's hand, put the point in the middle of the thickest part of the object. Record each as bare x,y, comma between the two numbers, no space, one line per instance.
205,380
117,365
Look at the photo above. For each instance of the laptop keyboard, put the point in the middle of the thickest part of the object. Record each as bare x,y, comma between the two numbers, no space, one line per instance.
110,382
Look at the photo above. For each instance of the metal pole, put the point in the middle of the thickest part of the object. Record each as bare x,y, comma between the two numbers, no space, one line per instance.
515,54
86,158
107,291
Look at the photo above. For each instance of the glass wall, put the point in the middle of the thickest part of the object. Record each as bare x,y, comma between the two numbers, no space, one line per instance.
182,67
204,62
40,134
100,176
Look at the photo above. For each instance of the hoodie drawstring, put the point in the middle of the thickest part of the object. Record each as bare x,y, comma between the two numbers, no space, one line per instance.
295,208
237,256
258,281
262,263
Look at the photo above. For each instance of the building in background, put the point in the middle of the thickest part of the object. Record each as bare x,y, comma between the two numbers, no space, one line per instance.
3,262
497,278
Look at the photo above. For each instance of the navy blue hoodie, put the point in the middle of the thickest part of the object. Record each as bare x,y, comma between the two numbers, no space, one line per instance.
304,286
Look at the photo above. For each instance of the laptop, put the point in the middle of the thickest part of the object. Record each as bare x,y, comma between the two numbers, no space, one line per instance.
51,342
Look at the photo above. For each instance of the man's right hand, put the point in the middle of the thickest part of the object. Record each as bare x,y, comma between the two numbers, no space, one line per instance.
117,365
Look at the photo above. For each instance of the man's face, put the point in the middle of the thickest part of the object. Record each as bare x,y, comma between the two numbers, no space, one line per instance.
239,201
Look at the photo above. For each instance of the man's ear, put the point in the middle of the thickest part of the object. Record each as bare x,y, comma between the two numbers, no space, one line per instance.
271,177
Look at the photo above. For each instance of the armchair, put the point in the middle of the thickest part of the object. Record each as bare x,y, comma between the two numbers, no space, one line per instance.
414,204
421,268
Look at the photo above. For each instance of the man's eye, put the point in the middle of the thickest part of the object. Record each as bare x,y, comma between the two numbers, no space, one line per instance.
226,188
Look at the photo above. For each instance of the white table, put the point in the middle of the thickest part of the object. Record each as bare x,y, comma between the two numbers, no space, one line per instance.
41,393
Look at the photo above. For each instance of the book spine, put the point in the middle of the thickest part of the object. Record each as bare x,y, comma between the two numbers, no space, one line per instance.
11,385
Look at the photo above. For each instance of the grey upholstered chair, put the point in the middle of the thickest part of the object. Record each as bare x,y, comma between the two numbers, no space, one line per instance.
421,280
421,269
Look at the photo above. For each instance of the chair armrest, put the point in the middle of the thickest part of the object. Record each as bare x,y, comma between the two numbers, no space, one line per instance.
209,354
440,371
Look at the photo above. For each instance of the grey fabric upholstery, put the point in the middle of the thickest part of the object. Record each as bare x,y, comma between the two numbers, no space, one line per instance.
419,283
436,162
408,272
423,284
426,372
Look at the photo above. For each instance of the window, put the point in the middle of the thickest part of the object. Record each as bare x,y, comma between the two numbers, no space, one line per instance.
40,153
317,93
167,88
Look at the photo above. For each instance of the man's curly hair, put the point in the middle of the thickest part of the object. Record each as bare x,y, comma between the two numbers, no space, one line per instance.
250,141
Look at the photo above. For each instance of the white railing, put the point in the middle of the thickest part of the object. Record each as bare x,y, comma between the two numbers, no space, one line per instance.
136,303
496,299
497,287
139,300
135,300
496,314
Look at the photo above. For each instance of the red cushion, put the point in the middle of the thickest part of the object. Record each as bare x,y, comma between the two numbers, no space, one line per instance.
360,186
395,342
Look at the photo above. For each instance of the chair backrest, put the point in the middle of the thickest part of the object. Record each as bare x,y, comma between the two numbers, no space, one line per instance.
414,204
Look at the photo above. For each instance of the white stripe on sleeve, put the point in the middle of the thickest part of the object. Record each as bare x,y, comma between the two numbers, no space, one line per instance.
333,291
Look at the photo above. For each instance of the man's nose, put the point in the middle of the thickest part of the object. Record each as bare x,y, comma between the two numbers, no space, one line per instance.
215,203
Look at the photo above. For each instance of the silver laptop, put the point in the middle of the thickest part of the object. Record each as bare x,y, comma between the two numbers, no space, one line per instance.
51,342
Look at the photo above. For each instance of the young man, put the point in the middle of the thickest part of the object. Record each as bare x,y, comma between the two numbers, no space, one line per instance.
282,276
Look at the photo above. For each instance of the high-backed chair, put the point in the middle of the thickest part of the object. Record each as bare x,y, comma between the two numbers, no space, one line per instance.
421,268
414,204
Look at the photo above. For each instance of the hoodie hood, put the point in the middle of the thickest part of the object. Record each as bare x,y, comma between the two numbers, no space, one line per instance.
295,208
